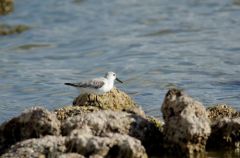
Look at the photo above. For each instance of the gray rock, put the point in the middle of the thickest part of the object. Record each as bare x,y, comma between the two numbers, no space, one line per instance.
71,155
225,134
104,122
109,146
186,128
33,123
48,146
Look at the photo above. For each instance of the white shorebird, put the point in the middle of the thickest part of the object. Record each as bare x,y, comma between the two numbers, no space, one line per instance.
97,86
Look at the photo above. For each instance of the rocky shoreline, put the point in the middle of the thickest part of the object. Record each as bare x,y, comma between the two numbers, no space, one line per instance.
113,125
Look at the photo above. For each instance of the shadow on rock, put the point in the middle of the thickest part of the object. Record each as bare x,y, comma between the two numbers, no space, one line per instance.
225,125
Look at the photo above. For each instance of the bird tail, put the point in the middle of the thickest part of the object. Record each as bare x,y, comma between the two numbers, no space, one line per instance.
71,84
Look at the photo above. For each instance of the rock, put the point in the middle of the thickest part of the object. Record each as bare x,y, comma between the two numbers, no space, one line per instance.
71,155
6,6
69,111
114,100
109,146
8,30
33,123
225,125
219,111
107,121
186,128
49,146
225,134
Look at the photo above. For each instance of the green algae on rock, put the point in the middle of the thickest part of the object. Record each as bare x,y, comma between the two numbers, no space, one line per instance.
6,6
114,100
70,111
8,29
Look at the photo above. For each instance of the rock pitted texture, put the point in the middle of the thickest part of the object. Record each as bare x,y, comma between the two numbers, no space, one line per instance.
69,111
225,125
33,123
104,122
49,146
6,6
219,111
114,100
8,29
71,155
225,134
112,145
186,128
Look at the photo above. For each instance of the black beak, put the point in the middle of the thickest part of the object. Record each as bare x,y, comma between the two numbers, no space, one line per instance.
119,80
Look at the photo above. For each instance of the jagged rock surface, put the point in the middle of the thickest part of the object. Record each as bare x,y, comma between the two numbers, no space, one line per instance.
186,128
69,111
48,146
112,145
220,111
101,123
114,100
33,123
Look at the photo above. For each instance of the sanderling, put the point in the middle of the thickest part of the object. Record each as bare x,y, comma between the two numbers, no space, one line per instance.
97,86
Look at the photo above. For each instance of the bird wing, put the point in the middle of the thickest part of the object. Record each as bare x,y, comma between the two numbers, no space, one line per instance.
94,83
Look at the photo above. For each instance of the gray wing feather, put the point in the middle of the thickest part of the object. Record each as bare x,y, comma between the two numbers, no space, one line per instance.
88,84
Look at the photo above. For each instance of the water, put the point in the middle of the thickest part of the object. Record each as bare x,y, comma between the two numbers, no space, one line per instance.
152,45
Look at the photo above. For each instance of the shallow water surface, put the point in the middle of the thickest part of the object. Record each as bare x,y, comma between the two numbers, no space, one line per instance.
152,45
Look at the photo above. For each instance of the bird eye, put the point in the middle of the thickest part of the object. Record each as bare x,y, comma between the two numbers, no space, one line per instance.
114,74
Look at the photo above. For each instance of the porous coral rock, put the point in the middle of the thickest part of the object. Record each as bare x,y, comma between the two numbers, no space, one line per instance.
111,145
114,100
104,122
187,127
218,111
33,123
48,146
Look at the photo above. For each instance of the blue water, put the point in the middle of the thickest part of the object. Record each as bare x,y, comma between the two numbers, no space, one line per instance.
152,45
